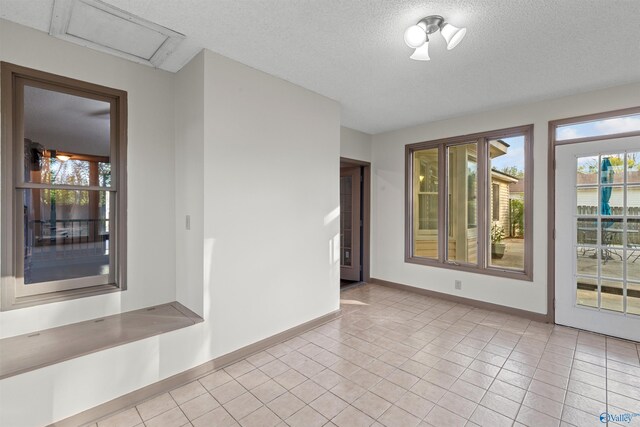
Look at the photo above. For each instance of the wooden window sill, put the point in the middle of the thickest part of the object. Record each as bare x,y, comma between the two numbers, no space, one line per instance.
24,353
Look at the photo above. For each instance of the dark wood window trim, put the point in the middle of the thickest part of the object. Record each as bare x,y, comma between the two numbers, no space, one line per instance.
483,266
11,110
551,188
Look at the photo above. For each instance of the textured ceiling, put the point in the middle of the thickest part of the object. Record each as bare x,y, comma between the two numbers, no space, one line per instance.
515,51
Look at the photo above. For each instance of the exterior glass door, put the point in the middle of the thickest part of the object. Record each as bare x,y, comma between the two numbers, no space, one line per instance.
598,236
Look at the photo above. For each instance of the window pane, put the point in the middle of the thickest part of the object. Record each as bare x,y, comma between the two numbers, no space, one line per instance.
587,261
633,250
611,295
507,176
612,200
587,231
463,208
587,170
633,298
612,169
587,291
66,139
612,254
66,234
633,168
633,200
425,203
587,200
610,126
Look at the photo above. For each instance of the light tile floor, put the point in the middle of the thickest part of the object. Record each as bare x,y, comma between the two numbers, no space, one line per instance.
400,359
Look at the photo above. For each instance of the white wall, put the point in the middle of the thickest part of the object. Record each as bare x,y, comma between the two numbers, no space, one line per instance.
355,145
260,180
388,197
271,182
189,163
151,193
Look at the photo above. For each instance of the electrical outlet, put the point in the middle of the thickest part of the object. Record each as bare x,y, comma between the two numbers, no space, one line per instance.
458,284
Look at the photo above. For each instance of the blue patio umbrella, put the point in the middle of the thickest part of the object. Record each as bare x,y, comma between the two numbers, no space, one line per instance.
606,180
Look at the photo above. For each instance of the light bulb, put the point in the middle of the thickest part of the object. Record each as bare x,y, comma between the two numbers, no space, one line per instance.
415,36
421,53
452,35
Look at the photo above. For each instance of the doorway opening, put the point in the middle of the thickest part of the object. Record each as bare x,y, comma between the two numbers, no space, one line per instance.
355,196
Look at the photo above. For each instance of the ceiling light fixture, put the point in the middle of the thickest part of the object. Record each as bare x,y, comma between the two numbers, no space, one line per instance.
417,36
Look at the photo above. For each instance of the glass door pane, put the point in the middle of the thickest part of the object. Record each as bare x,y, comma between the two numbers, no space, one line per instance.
607,240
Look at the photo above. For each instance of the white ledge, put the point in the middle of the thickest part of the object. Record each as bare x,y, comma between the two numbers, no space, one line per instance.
35,350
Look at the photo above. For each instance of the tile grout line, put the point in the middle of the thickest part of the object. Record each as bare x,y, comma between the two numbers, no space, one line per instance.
521,404
573,358
180,407
494,378
138,412
254,396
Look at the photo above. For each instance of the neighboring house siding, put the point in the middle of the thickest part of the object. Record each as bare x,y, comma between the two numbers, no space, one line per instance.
588,197
504,197
428,247
504,206
588,201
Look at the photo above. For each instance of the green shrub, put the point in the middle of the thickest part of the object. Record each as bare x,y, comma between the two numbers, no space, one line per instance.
516,214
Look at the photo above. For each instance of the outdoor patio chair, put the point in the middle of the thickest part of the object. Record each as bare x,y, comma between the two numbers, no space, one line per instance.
633,246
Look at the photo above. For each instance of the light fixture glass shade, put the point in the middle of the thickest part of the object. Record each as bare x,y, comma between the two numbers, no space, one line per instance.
63,157
452,35
415,36
421,53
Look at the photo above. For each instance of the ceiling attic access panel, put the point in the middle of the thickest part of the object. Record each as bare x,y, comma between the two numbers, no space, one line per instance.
99,26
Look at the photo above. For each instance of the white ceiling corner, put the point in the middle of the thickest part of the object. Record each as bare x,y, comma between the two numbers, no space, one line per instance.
352,51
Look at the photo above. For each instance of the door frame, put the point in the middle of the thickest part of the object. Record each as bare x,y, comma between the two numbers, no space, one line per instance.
551,188
365,208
